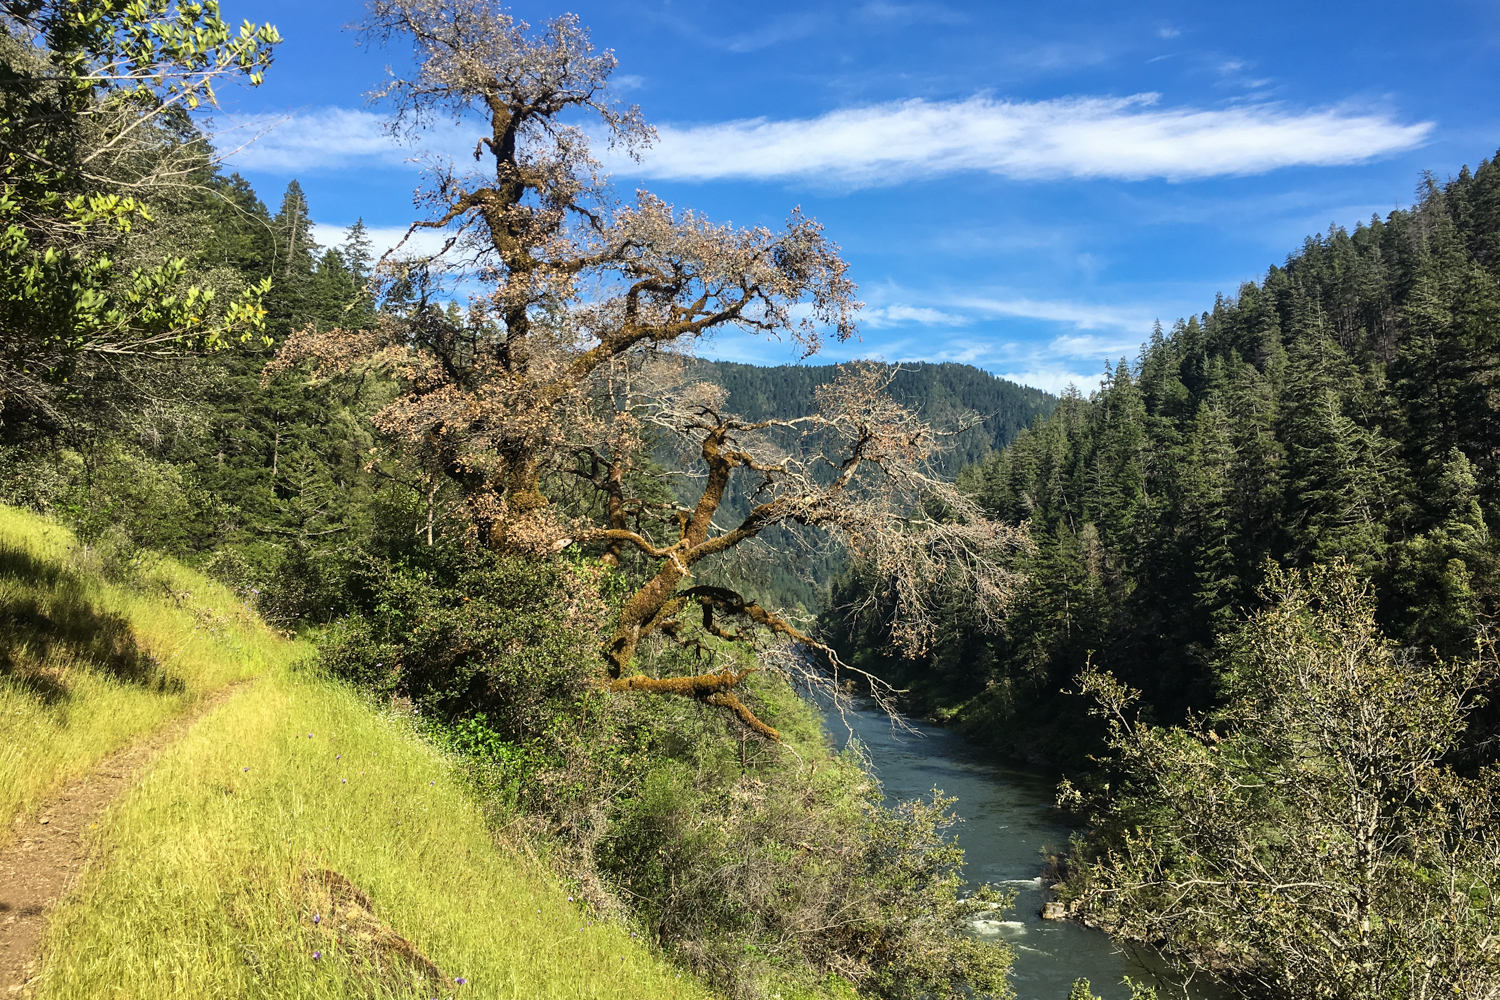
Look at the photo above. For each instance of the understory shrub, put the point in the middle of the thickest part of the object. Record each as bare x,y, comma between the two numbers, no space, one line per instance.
769,868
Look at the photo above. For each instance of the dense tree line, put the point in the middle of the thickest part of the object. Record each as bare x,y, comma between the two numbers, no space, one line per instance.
189,454
1343,408
1256,624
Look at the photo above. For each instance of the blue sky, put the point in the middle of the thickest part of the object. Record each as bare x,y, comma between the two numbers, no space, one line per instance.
1024,187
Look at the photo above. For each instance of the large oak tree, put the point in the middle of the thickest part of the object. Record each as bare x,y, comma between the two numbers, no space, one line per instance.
569,365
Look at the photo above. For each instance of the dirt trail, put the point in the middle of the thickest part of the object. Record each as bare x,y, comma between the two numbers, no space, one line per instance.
38,870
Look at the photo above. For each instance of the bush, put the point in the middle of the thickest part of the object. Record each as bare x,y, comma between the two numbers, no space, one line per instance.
768,868
114,493
1308,839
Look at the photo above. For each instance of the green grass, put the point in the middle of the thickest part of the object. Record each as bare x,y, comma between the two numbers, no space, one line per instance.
88,665
213,874
207,875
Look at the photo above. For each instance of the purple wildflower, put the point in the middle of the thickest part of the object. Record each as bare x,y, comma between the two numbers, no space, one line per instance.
460,980
247,769
317,955
344,781
317,918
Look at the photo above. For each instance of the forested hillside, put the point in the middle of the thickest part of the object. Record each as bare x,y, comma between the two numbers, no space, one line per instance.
794,568
1342,409
1256,627
949,395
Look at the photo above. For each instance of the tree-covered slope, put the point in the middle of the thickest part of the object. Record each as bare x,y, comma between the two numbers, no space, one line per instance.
946,394
1344,408
794,568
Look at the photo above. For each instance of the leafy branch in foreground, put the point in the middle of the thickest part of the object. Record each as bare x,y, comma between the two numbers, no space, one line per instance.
93,102
1308,839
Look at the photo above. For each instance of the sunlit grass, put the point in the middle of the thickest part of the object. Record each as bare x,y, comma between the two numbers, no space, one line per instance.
210,887
87,665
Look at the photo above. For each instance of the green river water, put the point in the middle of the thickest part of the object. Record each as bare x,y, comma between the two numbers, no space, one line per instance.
1010,824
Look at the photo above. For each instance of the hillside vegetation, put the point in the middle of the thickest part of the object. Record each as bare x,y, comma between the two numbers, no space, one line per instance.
98,648
1342,409
298,842
794,567
1258,621
294,844
947,394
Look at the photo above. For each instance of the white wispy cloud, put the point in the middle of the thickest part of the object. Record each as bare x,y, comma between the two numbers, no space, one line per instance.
1080,315
1127,138
314,139
902,315
1110,348
1054,380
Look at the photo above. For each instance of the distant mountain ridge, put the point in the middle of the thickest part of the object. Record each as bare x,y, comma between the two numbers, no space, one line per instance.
944,393
790,574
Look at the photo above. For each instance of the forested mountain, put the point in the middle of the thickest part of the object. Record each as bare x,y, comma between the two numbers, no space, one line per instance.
795,569
947,394
1344,408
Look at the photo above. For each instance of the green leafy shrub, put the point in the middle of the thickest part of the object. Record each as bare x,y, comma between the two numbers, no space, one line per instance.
1309,839
768,868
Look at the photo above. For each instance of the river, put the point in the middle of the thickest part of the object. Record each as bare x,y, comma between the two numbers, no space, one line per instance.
1010,824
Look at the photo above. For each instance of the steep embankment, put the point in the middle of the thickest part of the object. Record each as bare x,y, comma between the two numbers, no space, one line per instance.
294,841
88,665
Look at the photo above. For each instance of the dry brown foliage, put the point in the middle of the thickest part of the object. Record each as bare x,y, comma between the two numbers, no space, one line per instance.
563,366
870,491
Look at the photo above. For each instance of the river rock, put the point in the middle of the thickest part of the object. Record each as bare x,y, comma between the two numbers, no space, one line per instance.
1054,911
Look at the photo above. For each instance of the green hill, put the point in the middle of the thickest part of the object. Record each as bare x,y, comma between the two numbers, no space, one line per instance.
796,571
945,394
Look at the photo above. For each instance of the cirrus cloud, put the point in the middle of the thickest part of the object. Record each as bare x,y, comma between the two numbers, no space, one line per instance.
1130,138
313,139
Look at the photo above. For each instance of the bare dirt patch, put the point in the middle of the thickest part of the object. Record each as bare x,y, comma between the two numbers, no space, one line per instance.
52,848
343,916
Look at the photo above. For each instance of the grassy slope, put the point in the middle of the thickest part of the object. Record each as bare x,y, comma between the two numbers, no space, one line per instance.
209,874
209,891
86,666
